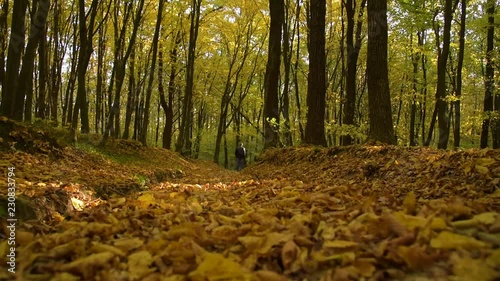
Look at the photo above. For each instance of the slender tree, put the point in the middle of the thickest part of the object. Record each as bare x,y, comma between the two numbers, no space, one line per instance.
16,48
4,10
353,42
458,94
149,90
271,79
316,86
379,99
24,90
489,79
183,144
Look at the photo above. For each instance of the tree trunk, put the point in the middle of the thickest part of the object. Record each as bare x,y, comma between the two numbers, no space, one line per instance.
25,89
379,99
99,104
156,36
183,144
3,45
84,53
56,68
413,111
296,71
441,103
461,50
353,48
16,48
316,86
41,105
489,80
271,80
132,87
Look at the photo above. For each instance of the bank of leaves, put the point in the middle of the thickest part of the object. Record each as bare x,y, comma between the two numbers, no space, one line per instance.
356,213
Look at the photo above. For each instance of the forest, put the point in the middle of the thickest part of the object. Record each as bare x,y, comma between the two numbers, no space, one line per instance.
198,76
372,130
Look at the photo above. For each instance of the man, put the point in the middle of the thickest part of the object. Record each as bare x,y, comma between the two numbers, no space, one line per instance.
240,154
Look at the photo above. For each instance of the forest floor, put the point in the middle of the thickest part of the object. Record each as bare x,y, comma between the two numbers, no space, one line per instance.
127,212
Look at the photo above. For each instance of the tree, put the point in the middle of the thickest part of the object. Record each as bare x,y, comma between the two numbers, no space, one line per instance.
458,94
183,144
379,99
86,33
16,48
353,48
271,80
489,79
24,91
156,36
441,103
316,86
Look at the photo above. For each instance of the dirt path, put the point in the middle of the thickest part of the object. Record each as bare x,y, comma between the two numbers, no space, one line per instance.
359,213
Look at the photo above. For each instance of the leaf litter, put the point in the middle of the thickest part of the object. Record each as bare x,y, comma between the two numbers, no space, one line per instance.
302,213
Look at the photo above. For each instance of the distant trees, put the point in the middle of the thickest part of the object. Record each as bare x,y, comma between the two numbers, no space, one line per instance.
203,75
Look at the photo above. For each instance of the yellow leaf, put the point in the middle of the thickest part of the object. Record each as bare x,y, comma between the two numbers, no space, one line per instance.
487,161
339,244
147,199
481,169
494,259
450,240
486,218
410,202
471,269
138,264
266,275
88,262
216,267
128,244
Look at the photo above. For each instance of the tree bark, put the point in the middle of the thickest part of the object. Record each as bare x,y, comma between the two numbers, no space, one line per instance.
3,45
441,103
156,36
458,94
353,48
379,99
16,48
489,79
183,144
316,86
271,79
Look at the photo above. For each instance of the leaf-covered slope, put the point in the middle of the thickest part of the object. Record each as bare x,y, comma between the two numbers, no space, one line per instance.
394,170
356,213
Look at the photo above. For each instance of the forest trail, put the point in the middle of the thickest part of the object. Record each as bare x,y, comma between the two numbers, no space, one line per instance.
126,212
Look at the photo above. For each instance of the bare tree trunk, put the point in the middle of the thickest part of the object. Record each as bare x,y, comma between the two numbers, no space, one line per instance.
183,144
156,36
441,103
271,80
461,50
16,48
316,86
379,100
3,45
489,81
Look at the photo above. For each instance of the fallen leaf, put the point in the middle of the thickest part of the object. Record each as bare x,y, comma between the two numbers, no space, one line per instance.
450,240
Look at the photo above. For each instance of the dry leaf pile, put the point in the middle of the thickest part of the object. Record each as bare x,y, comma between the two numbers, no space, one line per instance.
356,213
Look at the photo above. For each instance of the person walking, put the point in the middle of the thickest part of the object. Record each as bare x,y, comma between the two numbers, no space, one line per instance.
241,154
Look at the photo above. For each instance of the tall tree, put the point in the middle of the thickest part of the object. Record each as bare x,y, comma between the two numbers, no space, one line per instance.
271,79
3,43
379,99
149,90
353,47
489,79
316,85
120,64
441,90
25,89
458,94
16,48
183,144
86,24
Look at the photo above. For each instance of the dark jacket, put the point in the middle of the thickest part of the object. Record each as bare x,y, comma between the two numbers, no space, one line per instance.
240,152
